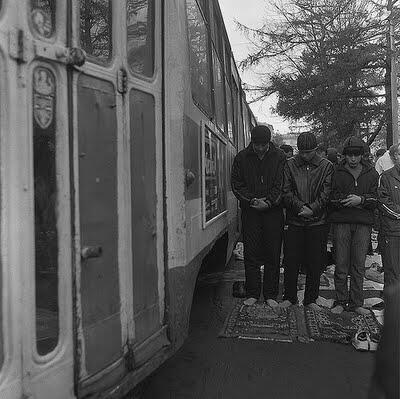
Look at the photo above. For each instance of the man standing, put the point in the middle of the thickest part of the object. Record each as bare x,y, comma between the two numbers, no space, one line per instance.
388,159
353,200
389,206
257,178
307,186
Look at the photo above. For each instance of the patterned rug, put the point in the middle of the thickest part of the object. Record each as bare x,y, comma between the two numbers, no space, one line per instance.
326,326
294,324
260,322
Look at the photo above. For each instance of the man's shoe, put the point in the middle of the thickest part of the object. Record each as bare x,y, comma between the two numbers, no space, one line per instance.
361,341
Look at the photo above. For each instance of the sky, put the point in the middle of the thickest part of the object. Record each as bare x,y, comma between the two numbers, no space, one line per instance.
250,13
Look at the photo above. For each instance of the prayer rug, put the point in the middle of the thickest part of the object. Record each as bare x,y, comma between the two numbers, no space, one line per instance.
261,322
326,326
294,324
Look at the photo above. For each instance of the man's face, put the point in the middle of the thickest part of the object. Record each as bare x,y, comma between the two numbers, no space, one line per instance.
396,157
307,156
289,154
353,159
260,148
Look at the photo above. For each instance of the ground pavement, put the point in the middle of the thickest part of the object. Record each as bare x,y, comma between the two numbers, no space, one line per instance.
208,367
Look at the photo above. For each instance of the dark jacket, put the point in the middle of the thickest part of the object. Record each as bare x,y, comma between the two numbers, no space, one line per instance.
307,184
255,178
389,201
343,184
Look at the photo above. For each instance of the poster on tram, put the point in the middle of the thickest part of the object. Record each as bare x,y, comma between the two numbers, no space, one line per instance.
214,176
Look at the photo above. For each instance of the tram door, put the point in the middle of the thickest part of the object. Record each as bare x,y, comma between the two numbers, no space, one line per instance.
117,96
99,346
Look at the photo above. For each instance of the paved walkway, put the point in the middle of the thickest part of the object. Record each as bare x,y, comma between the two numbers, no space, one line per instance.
208,367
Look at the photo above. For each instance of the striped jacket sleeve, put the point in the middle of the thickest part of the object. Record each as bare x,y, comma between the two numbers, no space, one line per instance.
387,206
369,200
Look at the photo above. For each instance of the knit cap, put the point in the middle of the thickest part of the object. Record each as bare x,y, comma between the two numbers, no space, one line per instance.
306,142
354,144
260,134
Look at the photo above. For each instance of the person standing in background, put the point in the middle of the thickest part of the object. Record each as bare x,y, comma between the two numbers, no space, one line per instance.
388,159
287,149
257,179
332,155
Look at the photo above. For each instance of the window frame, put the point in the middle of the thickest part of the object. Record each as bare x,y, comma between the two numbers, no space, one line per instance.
154,45
211,113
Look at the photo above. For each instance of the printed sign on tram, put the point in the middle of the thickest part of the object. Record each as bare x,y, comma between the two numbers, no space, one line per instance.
214,176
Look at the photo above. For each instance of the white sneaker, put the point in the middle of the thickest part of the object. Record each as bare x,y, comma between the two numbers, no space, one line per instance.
361,341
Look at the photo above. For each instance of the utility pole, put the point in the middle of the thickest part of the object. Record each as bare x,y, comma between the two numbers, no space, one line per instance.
394,106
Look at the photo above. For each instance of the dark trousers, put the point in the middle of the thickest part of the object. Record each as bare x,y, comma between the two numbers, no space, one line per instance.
351,243
306,243
390,249
262,239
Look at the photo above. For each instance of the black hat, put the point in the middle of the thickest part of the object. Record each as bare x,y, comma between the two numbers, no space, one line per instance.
306,142
354,144
286,148
260,134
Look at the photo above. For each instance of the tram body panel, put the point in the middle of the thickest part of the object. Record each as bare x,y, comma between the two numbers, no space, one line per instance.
42,295
107,210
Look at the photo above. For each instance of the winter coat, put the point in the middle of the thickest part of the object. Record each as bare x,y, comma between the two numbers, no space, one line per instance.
343,184
307,184
252,177
389,201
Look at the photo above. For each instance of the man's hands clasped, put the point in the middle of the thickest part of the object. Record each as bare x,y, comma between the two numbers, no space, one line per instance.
260,204
352,200
306,212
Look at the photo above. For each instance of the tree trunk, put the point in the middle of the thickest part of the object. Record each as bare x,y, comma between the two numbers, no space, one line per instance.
388,101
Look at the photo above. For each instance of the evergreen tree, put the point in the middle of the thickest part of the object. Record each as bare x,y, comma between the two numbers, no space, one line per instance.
330,64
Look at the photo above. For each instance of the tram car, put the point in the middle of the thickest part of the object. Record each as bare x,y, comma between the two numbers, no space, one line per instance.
119,123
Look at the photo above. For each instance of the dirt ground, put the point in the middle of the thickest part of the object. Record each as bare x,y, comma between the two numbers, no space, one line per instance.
208,367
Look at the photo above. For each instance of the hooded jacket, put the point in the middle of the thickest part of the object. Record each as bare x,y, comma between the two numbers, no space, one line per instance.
389,201
252,177
344,184
307,183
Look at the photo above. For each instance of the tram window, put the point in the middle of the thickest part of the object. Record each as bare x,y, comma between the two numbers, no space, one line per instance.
96,28
228,69
216,34
45,205
199,57
140,40
236,112
229,111
43,16
219,94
